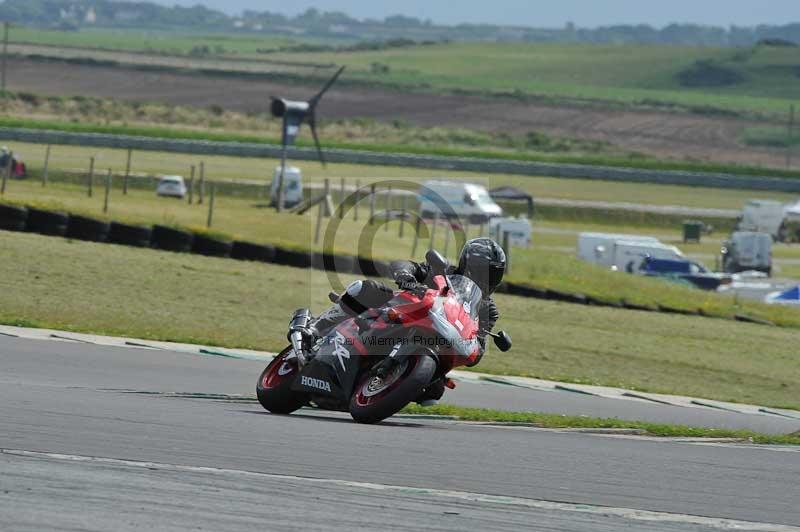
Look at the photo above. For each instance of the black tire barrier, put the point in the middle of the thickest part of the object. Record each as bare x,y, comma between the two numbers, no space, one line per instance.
129,235
566,297
171,239
89,229
255,252
749,319
680,311
291,257
51,223
333,263
211,247
366,267
13,218
525,291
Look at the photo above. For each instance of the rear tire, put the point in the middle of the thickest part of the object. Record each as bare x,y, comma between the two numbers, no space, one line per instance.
370,407
274,386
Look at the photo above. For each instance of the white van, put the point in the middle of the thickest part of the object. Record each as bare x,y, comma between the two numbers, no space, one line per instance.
747,250
763,216
456,199
628,256
292,186
598,248
519,231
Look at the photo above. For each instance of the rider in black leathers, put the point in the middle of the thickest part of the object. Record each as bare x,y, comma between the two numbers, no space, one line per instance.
481,260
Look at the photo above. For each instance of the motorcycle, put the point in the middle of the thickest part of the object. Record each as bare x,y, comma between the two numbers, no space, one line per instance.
376,363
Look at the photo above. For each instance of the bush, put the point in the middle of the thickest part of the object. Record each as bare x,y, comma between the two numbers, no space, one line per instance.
707,73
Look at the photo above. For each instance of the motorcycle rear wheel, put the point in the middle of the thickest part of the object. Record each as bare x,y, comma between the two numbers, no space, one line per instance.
274,386
376,399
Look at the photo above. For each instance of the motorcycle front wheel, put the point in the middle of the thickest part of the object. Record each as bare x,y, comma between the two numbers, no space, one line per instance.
377,398
274,386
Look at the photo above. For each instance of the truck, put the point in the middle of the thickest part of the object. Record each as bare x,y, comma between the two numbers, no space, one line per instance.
519,231
292,186
747,251
598,248
455,199
780,221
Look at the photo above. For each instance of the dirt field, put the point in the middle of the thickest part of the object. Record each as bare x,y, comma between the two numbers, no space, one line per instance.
666,135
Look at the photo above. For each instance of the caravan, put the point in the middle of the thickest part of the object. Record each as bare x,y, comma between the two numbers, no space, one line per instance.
623,252
598,248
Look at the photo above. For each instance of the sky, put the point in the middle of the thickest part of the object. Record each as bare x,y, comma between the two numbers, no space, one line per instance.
537,13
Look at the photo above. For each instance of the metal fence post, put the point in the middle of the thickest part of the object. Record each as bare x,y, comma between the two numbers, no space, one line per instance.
341,200
6,172
108,191
372,204
127,173
211,205
46,166
358,200
433,230
402,216
202,185
89,182
191,186
387,207
416,237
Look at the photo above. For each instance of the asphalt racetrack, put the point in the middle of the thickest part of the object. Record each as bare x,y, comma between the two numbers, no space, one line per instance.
101,438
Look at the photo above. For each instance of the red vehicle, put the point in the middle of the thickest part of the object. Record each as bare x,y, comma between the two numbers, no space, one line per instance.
375,364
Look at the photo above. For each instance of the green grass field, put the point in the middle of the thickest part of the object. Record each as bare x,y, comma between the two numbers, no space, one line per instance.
620,74
74,158
151,41
616,73
102,288
241,218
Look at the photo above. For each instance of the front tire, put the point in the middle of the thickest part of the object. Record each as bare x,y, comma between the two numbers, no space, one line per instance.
374,399
274,386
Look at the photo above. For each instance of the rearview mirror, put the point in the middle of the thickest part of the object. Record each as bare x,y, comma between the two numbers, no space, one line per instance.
437,262
502,341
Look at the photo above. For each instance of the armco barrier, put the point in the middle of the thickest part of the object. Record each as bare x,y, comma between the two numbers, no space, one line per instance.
177,240
461,164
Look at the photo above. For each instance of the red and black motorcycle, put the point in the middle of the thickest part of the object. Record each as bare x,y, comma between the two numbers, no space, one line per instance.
374,364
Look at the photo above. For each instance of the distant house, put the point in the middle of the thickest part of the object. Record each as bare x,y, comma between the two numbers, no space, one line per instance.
238,24
91,16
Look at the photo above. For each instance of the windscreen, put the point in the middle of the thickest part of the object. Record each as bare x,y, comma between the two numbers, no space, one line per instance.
466,291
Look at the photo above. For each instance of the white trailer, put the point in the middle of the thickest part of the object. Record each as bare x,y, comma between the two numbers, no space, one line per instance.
598,248
519,231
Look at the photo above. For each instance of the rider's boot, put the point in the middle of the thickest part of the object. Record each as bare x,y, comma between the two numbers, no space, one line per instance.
432,393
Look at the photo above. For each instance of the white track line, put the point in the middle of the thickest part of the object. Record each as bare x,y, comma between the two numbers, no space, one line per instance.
533,504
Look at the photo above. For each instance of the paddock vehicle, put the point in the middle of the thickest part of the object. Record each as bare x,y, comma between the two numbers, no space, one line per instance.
685,271
172,186
451,199
376,363
780,221
747,250
598,248
293,185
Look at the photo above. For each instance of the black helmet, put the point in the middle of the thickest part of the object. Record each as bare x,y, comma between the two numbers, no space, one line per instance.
483,261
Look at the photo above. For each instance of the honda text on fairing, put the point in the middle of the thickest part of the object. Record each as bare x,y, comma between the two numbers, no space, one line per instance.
376,363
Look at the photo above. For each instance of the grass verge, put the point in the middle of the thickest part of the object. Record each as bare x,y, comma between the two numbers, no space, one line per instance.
555,421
